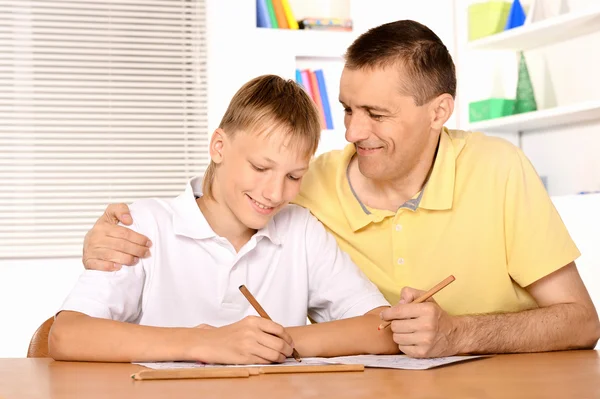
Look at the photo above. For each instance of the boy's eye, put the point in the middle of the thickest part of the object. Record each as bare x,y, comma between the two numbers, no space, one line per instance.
348,111
294,178
257,168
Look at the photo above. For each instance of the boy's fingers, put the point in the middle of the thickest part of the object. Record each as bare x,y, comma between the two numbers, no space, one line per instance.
275,343
273,328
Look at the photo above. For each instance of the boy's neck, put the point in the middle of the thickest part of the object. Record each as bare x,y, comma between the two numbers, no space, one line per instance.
224,223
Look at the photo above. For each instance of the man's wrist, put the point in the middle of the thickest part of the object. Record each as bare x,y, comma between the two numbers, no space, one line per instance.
462,337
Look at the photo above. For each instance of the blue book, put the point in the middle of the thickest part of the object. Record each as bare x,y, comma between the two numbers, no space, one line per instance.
299,77
262,14
324,98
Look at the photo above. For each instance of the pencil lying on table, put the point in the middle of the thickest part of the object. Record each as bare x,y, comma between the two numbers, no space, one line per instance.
425,296
259,309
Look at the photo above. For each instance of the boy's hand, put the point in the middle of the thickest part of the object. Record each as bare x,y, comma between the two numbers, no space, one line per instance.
107,245
253,340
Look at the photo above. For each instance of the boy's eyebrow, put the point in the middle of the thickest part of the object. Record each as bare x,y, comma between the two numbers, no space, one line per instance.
269,160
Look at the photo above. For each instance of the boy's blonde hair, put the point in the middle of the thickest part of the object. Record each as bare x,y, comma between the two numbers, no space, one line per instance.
269,105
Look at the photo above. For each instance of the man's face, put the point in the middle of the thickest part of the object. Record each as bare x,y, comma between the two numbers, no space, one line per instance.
259,175
389,131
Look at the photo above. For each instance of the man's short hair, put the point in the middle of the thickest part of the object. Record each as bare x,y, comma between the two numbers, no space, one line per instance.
425,61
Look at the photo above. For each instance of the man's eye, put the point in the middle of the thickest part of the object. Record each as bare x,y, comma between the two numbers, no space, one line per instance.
376,117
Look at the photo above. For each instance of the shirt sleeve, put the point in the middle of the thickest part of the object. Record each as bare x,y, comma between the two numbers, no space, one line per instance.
537,240
337,288
109,295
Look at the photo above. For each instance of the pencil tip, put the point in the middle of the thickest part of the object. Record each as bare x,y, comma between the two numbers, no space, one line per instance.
240,287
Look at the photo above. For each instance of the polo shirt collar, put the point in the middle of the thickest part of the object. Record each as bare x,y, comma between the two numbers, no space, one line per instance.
188,220
437,194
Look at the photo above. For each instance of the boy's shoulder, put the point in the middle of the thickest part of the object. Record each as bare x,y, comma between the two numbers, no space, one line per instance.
150,213
293,221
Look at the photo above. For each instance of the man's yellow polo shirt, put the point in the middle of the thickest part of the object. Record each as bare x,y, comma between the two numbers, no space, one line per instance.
484,216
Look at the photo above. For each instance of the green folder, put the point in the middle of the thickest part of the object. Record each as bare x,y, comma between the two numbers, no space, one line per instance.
272,16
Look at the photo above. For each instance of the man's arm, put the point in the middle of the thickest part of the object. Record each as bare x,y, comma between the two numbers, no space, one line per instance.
352,336
107,245
566,319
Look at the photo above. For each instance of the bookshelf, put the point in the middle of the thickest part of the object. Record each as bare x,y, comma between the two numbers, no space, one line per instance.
533,36
315,49
549,31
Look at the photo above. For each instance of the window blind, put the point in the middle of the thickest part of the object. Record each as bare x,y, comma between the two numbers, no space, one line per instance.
101,101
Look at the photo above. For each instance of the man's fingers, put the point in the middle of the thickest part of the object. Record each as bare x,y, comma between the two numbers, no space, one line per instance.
125,246
108,255
408,311
129,235
408,294
116,213
97,264
405,326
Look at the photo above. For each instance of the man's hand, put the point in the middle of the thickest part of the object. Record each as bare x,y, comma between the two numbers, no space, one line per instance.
422,330
107,245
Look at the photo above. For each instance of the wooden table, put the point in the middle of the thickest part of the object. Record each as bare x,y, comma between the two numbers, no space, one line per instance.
574,374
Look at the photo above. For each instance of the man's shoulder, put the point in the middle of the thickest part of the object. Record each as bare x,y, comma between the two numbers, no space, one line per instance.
481,149
320,182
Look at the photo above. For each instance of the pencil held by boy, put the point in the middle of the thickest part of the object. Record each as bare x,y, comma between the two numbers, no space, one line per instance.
235,227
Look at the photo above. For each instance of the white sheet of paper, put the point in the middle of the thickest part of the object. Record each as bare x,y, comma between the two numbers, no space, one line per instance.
376,361
398,361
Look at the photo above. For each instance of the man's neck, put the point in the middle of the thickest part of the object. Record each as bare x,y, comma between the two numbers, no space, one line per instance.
391,194
224,223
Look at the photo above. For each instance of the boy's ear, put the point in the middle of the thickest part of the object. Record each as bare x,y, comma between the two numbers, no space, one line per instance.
217,142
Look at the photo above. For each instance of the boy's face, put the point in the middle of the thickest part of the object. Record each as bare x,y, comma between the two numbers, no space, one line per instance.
258,175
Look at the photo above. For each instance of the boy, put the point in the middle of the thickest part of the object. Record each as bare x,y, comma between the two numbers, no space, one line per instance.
235,228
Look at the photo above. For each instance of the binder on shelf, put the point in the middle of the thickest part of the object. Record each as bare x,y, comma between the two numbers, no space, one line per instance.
280,14
272,16
324,98
306,82
317,97
262,14
289,15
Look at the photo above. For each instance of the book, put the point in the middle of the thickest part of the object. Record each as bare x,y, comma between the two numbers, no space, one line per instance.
306,82
280,14
335,24
289,15
324,98
271,11
262,14
314,85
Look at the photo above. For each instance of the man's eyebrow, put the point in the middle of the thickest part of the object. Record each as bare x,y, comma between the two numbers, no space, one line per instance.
370,108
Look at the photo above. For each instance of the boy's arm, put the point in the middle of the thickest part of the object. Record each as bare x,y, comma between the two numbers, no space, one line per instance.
353,336
78,337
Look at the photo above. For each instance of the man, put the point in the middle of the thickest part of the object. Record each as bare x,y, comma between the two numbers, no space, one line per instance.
413,202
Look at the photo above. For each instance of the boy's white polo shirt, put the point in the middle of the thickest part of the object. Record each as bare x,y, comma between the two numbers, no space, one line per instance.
293,267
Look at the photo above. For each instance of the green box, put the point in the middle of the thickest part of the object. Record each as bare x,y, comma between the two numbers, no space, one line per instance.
490,108
487,18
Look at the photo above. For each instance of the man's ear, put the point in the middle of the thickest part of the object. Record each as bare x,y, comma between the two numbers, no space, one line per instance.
217,142
441,110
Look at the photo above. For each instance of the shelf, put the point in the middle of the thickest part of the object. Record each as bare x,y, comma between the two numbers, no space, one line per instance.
307,43
542,33
543,119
